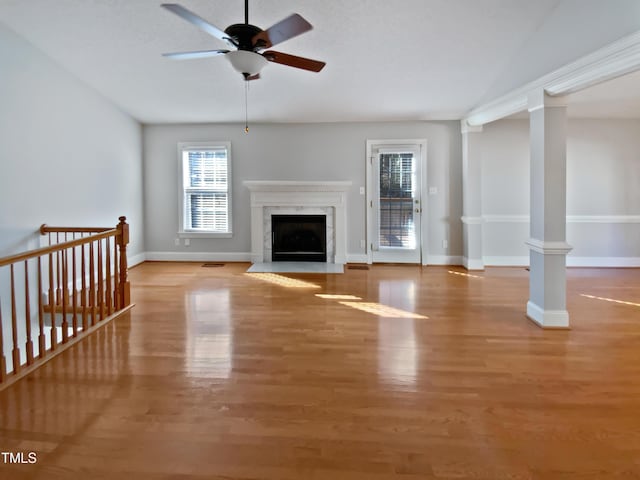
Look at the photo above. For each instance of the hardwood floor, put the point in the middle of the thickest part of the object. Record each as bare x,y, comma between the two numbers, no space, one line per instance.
428,373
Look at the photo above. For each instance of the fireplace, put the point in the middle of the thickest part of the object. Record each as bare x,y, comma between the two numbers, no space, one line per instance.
299,238
272,198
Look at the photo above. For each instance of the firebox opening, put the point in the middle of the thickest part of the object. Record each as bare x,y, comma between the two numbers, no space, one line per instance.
301,238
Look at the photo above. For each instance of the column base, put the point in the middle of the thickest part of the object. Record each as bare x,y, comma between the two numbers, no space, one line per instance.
472,243
557,319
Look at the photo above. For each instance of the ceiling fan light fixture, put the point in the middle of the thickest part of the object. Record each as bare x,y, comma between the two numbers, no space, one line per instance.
247,63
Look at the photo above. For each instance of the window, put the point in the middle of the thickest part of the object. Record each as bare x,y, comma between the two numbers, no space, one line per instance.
205,197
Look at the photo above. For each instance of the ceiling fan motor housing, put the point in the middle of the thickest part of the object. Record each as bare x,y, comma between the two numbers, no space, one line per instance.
241,35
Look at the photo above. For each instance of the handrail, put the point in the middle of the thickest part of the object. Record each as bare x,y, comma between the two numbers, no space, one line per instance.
44,229
72,288
42,251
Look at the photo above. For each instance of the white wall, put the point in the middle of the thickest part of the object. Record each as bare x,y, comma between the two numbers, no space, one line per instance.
603,194
296,152
67,155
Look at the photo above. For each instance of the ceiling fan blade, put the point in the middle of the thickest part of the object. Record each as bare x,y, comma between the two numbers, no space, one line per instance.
285,29
294,61
194,19
196,54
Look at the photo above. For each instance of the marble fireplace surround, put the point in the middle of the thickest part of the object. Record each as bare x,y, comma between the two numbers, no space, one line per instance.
300,198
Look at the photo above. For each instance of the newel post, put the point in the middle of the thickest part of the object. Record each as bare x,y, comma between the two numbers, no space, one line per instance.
123,240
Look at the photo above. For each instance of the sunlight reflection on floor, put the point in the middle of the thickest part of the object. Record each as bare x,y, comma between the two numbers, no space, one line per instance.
282,280
337,297
462,274
610,300
382,310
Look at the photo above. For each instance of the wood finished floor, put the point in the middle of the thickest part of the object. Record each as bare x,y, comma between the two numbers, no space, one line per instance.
216,374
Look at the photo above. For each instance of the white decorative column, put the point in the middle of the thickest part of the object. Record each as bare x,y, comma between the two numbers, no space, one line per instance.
471,197
547,304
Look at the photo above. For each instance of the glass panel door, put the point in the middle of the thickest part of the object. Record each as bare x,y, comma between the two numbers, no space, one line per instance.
397,205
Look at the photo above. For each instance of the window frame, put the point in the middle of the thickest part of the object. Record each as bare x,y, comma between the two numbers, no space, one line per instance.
182,189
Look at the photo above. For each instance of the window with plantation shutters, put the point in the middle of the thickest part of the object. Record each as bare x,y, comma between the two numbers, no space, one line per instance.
206,189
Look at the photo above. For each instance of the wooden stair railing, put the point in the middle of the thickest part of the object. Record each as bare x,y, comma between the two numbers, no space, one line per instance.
73,286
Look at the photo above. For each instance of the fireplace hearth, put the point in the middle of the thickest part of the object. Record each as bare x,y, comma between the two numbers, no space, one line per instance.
299,238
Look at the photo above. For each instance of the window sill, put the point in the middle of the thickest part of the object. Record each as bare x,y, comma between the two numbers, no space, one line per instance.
204,235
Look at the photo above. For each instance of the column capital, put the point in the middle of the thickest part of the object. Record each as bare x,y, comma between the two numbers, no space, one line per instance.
538,99
466,128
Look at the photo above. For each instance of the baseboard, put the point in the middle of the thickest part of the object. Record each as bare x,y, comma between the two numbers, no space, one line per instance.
431,259
357,258
612,262
444,260
198,256
608,219
523,261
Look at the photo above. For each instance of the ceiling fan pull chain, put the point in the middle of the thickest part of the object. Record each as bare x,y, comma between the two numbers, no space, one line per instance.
246,107
246,12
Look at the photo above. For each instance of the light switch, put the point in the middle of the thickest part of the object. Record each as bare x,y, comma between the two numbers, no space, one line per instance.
361,190
433,190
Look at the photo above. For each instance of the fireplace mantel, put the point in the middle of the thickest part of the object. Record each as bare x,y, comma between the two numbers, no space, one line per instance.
298,196
292,186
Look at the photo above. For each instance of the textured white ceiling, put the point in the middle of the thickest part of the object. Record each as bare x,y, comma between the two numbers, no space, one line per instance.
409,60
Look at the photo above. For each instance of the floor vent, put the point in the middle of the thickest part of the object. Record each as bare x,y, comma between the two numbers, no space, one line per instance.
213,265
357,267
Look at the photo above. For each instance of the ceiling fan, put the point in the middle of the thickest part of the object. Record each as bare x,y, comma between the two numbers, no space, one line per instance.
248,41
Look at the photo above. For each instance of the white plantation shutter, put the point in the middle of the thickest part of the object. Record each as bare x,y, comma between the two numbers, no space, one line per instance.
208,211
206,189
396,221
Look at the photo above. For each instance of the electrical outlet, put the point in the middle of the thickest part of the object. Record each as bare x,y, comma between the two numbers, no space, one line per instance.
177,242
433,190
187,242
445,244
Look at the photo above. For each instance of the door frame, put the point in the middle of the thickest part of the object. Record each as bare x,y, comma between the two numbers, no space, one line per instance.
371,191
